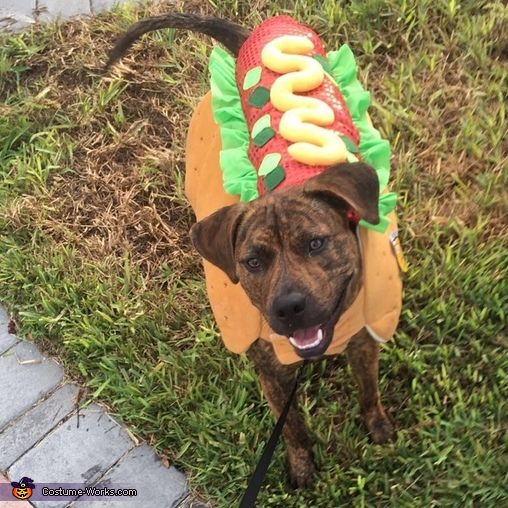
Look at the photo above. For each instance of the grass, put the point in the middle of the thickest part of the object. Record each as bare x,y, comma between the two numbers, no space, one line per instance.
96,264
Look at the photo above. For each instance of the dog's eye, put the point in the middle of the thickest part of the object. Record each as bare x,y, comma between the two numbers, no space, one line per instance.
253,264
316,245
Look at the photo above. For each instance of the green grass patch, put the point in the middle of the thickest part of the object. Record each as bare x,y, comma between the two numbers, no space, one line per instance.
97,267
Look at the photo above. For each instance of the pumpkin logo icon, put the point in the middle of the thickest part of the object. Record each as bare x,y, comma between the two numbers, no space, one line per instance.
23,489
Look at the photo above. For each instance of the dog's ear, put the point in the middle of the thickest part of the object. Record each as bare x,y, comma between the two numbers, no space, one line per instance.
214,238
355,183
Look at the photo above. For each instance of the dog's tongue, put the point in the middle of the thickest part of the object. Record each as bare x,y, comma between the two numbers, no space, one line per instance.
307,336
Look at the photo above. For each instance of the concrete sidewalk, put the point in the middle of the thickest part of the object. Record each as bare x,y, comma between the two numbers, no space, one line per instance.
41,435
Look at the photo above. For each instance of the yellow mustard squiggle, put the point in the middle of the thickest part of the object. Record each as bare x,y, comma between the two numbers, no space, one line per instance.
304,117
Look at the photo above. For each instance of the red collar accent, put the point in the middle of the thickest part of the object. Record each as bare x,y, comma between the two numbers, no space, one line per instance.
353,217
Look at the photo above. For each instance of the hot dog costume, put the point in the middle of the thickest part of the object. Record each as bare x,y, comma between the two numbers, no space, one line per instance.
282,113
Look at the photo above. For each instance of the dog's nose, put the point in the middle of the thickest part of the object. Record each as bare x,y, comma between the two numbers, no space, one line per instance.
289,307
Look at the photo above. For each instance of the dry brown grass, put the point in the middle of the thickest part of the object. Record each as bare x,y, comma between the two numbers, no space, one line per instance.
123,193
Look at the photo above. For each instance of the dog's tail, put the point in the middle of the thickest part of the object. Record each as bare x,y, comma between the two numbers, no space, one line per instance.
222,30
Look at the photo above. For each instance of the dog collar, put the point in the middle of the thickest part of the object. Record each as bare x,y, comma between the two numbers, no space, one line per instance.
257,152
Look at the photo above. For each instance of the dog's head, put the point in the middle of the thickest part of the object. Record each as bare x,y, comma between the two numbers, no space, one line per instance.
294,252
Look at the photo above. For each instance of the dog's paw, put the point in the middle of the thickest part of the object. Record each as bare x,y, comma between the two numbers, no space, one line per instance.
302,474
381,428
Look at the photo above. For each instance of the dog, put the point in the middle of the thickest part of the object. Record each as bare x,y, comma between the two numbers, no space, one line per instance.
290,274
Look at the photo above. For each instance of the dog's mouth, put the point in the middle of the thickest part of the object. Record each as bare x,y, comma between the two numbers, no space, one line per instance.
307,338
314,341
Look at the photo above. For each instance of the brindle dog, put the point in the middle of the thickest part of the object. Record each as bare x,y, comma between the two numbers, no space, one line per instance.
298,260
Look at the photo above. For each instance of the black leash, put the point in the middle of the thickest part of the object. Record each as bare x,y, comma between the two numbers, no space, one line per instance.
251,494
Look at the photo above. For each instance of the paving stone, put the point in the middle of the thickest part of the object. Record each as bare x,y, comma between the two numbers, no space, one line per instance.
7,340
101,5
142,470
23,384
65,9
35,424
20,6
6,495
72,454
27,353
16,14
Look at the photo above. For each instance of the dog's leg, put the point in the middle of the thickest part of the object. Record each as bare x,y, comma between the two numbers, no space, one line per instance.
363,356
277,381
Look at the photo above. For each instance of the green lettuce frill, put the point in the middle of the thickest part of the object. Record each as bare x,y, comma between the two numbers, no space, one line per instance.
373,149
239,175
